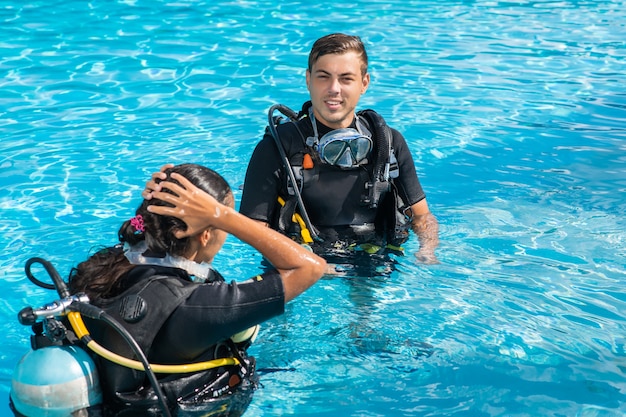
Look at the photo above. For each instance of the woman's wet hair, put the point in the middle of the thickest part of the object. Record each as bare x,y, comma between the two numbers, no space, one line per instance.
158,231
338,43
99,276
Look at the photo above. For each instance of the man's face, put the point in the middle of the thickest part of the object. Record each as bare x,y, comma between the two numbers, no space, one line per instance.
335,84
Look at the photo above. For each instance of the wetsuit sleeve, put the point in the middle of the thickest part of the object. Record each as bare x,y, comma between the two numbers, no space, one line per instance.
262,183
216,311
410,188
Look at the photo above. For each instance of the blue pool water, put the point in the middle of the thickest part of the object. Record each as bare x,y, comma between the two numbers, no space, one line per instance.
516,116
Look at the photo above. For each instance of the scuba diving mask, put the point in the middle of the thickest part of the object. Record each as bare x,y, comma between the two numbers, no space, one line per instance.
345,148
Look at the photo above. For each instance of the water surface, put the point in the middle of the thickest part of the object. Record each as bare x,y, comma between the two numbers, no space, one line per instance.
515,115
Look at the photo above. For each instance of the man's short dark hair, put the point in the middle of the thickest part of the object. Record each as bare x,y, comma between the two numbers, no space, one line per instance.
338,43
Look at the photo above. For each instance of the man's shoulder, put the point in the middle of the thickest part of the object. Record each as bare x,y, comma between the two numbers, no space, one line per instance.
370,114
373,118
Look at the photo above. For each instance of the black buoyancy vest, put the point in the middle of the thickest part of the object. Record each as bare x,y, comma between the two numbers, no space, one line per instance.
384,165
142,309
379,191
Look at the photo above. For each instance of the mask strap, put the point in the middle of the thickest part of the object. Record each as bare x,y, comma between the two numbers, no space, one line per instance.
357,124
313,141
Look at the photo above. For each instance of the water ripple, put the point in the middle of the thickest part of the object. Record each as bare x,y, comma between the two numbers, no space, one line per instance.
514,112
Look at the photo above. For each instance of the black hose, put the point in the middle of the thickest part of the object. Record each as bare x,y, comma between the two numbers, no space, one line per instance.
96,313
383,137
59,284
291,115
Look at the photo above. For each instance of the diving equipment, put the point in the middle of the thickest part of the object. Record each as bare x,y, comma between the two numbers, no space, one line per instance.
60,376
50,339
367,145
294,183
345,148
136,256
55,381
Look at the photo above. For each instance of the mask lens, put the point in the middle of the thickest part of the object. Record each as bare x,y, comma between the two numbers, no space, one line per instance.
345,160
360,148
334,151
345,148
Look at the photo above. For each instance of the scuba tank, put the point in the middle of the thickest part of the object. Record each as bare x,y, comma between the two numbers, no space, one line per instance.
55,381
55,378
58,378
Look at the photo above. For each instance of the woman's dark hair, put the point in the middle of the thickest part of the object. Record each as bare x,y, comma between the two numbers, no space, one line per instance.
338,43
100,275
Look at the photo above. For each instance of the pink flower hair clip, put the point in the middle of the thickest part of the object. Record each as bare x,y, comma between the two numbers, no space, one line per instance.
137,223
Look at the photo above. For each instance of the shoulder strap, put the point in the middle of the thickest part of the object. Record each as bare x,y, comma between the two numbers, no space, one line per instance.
382,138
143,308
304,112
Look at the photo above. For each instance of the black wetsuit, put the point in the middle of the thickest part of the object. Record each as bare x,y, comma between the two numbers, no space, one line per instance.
333,197
177,321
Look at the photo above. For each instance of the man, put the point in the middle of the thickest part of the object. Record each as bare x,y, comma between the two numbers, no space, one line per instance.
345,184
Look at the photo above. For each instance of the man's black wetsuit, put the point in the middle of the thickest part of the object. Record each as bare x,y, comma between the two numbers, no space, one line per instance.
332,196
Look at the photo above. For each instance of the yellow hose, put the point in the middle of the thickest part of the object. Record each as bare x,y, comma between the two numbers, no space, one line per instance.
81,331
304,231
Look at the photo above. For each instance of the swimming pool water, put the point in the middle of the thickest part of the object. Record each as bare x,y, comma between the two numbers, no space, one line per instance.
516,116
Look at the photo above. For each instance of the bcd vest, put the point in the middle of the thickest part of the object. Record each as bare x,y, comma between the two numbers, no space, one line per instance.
378,202
142,310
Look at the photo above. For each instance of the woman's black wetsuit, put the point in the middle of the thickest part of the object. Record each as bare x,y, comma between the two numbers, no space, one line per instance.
178,321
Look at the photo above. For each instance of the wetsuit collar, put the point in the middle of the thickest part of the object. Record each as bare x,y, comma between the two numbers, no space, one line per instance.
135,255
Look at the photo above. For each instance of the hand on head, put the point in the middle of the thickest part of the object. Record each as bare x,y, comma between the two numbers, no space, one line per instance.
192,205
152,185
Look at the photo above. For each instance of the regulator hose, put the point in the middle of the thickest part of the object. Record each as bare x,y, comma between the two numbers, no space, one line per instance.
82,333
74,306
272,126
59,284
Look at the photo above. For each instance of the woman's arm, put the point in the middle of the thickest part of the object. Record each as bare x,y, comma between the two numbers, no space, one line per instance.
298,267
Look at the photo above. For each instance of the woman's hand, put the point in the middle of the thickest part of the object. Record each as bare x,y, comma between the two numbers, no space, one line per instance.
192,205
152,186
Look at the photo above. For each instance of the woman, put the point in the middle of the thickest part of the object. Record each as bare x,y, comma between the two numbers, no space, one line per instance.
159,285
